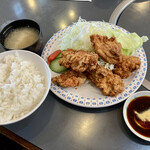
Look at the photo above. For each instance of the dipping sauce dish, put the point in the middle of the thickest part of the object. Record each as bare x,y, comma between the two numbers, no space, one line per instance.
135,113
25,33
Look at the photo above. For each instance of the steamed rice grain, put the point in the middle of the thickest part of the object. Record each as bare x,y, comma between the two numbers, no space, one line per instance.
22,86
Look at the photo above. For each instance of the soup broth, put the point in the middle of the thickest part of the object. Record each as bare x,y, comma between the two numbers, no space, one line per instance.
21,38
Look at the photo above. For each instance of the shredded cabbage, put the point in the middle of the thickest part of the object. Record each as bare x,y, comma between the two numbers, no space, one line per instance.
129,41
78,37
105,64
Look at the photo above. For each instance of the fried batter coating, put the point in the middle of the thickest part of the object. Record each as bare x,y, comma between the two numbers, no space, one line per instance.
69,79
107,48
78,60
127,66
96,75
109,83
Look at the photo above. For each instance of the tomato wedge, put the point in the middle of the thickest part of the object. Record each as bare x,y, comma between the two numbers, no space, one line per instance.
53,56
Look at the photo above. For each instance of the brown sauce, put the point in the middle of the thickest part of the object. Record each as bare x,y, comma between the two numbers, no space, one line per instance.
140,105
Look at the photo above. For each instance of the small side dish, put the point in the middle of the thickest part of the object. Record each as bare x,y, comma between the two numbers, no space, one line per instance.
136,114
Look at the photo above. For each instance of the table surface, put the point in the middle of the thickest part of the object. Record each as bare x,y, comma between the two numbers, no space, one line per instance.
58,124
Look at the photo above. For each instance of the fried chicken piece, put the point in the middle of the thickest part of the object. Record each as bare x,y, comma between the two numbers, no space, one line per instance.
107,48
109,83
96,75
127,66
69,79
78,60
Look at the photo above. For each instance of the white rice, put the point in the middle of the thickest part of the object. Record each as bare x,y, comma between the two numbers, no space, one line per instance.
22,86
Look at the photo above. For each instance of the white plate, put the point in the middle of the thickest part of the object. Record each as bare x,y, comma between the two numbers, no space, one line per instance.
135,95
88,95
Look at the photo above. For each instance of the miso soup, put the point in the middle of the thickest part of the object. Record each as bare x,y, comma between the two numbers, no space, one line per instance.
21,38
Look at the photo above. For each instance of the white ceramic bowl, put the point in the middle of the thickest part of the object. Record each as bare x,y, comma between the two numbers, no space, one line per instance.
132,97
43,68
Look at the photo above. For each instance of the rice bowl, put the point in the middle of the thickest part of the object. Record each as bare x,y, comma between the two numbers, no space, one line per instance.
25,81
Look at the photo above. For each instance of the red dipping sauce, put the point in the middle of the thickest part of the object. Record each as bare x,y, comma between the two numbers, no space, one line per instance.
139,105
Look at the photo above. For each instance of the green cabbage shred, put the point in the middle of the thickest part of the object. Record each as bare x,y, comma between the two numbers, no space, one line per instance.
78,36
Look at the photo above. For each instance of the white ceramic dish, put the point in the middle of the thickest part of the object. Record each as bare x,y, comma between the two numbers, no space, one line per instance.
132,97
88,95
42,66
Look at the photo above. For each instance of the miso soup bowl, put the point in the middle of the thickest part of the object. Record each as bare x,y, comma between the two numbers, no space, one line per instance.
34,47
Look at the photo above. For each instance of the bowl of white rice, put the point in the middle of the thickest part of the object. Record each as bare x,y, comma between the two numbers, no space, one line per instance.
25,81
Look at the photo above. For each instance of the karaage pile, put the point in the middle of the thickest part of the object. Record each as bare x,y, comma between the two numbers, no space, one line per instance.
84,64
